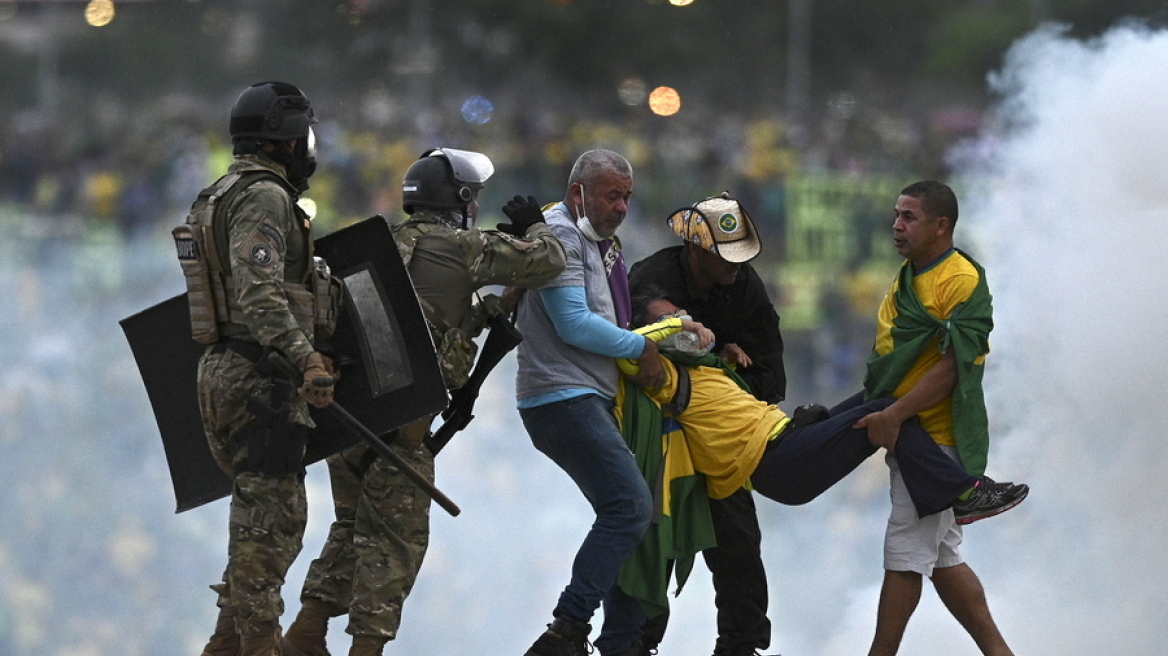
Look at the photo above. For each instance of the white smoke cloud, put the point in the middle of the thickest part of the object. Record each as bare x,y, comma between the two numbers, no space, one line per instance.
1066,206
1074,213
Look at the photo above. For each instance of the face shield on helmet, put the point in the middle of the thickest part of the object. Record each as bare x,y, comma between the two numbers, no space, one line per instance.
470,168
310,141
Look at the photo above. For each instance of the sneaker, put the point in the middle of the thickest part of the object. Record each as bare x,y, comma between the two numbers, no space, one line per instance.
988,499
564,637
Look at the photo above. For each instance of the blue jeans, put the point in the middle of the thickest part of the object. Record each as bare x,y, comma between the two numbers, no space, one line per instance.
581,435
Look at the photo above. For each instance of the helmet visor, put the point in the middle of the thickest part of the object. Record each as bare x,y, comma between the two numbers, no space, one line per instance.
469,167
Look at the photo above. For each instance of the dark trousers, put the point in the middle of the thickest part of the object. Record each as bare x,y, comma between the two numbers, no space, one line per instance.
739,579
804,462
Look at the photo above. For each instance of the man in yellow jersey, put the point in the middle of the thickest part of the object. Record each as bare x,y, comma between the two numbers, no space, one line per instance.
931,341
736,440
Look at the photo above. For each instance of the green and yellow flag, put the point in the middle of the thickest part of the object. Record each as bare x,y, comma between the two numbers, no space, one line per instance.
682,523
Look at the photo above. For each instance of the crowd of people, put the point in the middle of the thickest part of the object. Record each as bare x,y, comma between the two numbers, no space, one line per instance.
134,165
126,173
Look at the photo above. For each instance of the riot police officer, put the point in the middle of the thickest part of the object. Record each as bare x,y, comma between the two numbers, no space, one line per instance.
255,289
376,545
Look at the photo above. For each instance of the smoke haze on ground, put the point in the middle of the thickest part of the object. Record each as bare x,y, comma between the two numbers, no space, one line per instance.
1071,213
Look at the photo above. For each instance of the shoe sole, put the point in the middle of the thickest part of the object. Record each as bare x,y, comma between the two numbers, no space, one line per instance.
966,520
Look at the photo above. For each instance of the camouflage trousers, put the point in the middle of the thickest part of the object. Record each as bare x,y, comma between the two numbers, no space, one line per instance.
268,513
376,545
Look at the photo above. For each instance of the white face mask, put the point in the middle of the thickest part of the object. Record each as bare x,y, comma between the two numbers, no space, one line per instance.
584,223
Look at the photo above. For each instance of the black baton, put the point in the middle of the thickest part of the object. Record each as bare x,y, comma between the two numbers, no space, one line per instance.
361,430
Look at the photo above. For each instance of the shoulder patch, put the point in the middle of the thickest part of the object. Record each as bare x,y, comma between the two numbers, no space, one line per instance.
261,254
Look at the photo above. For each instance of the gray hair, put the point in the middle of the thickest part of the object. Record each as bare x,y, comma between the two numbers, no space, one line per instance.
595,163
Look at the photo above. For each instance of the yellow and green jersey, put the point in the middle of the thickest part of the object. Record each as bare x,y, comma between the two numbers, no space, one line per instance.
947,305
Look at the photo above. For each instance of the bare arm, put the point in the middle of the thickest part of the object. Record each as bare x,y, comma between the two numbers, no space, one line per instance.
937,384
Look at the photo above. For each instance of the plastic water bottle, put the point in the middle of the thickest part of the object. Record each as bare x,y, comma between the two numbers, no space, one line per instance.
688,343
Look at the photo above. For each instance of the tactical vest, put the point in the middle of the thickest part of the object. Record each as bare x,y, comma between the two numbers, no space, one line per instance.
455,348
202,243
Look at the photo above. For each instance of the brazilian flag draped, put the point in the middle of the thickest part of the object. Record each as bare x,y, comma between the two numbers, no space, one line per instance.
967,332
682,526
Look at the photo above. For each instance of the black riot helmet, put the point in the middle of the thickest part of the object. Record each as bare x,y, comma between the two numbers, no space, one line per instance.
275,111
445,179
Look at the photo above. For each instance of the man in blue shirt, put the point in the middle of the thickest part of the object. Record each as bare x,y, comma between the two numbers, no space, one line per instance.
573,328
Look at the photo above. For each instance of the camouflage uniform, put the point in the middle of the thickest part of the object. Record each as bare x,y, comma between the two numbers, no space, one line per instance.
269,242
376,545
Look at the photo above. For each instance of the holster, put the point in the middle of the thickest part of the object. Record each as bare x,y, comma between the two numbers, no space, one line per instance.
275,445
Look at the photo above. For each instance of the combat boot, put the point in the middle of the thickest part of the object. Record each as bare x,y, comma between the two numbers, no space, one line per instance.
263,643
225,640
367,645
306,635
564,637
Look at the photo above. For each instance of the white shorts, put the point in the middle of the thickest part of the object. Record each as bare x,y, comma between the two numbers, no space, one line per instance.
918,544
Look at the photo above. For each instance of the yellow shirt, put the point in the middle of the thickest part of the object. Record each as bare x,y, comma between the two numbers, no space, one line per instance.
941,288
726,429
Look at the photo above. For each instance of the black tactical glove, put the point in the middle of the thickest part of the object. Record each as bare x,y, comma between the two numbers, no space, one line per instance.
523,214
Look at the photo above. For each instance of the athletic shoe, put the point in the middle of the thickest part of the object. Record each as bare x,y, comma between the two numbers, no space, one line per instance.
988,499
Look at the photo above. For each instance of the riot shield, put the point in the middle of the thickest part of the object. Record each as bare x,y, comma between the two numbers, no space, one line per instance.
168,360
389,373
